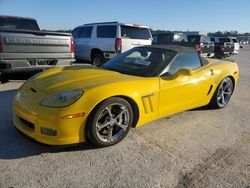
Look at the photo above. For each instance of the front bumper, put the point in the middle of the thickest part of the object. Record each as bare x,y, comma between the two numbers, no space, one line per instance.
45,124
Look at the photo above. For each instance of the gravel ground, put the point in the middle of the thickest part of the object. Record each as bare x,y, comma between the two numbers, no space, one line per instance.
197,148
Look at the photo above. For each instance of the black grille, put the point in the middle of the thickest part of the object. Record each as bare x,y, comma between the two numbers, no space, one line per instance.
30,125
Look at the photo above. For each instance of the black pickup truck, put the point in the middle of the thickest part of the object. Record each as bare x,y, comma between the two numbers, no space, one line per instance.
200,42
224,47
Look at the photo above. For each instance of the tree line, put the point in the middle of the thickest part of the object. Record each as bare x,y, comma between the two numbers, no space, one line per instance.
217,33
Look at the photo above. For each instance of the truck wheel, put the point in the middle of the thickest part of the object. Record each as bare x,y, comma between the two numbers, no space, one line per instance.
3,78
98,59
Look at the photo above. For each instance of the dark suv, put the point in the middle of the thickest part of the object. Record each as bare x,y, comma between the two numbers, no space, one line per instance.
224,46
201,43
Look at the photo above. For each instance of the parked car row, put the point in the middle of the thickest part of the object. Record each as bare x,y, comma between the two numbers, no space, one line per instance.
23,46
218,47
197,40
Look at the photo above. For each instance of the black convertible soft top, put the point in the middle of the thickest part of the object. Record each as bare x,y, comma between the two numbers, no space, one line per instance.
175,48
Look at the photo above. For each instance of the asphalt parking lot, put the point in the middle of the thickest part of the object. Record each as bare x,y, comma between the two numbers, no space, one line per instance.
197,148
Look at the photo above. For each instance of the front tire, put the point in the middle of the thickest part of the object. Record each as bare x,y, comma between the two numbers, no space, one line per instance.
222,94
109,122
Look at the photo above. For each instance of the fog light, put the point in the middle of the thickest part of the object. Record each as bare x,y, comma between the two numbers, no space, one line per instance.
49,132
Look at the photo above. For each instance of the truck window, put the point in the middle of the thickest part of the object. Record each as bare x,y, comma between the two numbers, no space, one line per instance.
76,32
155,39
234,40
85,32
134,32
205,39
194,39
166,38
180,37
222,40
107,31
18,23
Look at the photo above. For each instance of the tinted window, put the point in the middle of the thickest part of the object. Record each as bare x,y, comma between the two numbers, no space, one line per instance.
180,37
222,40
108,31
76,32
194,39
18,23
189,60
155,39
164,38
205,39
134,32
234,40
85,32
145,62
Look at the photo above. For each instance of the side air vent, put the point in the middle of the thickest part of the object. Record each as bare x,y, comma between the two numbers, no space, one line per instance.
147,103
210,89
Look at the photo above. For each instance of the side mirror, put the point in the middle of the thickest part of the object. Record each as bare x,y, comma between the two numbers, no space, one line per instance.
181,72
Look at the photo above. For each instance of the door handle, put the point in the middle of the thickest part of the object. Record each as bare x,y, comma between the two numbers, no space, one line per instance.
212,72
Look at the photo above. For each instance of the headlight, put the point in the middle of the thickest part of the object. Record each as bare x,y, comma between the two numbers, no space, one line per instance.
62,99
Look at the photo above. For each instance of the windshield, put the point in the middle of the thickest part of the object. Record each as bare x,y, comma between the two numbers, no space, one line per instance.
141,61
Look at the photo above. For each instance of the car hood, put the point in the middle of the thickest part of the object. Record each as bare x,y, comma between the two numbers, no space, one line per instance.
72,78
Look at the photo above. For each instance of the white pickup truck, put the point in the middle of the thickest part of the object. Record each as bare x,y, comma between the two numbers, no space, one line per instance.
23,46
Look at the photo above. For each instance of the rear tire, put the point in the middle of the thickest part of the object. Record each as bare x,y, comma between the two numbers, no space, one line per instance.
109,122
222,94
97,59
3,78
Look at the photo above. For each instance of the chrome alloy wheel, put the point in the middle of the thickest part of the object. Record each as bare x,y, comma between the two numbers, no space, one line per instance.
224,92
112,122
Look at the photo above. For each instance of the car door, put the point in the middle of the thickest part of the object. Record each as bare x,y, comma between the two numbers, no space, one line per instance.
83,43
186,84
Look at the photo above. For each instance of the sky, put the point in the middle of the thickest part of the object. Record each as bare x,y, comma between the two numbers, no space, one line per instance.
193,15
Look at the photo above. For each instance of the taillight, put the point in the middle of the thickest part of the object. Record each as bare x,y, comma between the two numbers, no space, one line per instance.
72,46
222,47
118,45
1,44
198,47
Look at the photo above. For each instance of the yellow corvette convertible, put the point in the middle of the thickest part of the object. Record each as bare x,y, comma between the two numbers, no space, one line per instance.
68,105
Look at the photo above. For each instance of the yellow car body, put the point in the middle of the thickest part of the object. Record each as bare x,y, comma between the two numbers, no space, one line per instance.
151,97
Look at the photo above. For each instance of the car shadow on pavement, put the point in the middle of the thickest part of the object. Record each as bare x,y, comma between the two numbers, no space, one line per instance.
205,108
14,145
